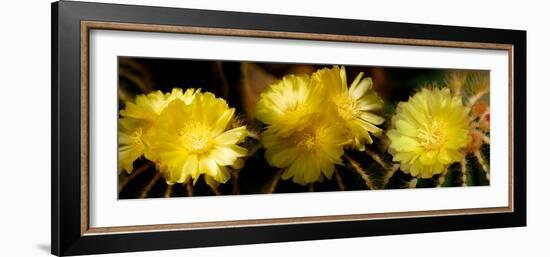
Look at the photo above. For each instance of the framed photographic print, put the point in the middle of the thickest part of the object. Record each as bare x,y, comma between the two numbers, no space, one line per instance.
177,128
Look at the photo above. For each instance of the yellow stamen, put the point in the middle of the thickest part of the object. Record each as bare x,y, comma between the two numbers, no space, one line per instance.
195,138
346,108
136,137
430,136
308,142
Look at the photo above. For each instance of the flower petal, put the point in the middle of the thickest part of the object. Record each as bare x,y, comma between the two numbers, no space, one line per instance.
232,136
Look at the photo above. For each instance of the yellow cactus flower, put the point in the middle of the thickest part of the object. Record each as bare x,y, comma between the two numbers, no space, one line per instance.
429,132
197,138
308,154
300,137
355,106
288,104
137,119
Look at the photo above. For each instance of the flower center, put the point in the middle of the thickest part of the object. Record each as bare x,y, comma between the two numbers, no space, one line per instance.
195,137
430,136
307,140
346,108
136,138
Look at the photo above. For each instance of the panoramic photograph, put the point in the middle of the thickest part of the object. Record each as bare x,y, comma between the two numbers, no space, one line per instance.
190,128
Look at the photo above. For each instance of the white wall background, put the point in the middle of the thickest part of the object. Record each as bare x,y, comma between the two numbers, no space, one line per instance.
25,127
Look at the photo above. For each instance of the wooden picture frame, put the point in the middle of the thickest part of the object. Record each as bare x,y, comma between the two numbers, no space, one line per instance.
71,25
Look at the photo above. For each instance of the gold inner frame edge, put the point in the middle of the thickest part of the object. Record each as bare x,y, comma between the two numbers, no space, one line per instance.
86,26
